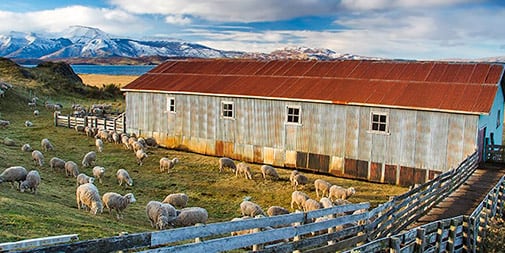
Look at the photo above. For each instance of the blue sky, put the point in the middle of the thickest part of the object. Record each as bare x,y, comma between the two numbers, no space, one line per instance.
408,29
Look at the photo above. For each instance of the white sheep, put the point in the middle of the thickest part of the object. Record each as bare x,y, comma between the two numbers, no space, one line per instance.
191,216
141,156
112,200
321,186
340,202
46,145
9,142
338,192
268,170
292,175
99,145
26,148
89,159
31,182
277,210
57,163
298,198
160,215
249,208
300,179
4,123
36,113
79,128
84,179
123,177
99,172
136,146
28,123
167,164
311,204
326,202
124,140
116,138
13,174
225,162
71,169
243,168
38,158
87,196
242,232
178,200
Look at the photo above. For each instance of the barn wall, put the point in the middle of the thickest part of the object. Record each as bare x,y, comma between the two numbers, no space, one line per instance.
494,121
331,138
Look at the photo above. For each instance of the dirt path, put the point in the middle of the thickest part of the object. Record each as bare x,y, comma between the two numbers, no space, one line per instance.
467,197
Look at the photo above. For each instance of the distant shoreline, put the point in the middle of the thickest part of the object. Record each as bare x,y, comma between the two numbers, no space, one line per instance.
100,80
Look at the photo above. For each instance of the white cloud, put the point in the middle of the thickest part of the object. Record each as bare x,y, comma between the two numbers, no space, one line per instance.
177,20
367,5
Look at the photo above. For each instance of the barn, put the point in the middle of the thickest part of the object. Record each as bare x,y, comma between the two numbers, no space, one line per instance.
397,122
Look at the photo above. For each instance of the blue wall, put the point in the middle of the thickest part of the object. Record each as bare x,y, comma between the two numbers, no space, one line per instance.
494,121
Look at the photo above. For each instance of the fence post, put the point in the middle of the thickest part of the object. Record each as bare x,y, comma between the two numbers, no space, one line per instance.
257,247
452,236
105,123
124,123
420,240
395,245
85,121
68,118
55,119
115,119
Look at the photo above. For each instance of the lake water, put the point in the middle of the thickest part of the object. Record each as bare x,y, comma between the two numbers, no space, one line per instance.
134,70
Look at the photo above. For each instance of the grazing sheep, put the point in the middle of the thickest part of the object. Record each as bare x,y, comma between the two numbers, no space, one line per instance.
84,179
123,177
191,216
141,156
300,179
178,200
36,113
13,174
38,158
277,210
243,168
99,145
270,171
292,176
160,215
340,202
322,186
31,182
136,146
28,123
151,142
167,164
116,138
89,159
89,131
311,204
46,145
26,148
337,192
57,163
326,202
124,140
71,169
112,200
4,123
242,232
298,198
225,162
9,142
251,209
99,172
79,128
87,196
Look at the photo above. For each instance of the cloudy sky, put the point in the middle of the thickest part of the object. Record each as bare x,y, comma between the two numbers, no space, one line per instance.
409,29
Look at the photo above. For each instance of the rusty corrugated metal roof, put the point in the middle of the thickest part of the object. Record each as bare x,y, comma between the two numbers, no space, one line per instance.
440,86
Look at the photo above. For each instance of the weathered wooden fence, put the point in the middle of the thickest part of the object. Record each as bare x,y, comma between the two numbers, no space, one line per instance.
495,153
117,124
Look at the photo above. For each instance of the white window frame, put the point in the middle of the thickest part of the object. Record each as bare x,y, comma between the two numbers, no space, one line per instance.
170,108
379,122
223,103
288,115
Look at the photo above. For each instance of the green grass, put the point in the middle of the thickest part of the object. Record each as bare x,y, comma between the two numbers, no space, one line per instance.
53,210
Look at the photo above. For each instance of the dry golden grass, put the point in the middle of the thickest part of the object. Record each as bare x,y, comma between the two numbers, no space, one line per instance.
100,80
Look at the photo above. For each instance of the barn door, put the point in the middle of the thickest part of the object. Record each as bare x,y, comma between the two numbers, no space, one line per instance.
481,144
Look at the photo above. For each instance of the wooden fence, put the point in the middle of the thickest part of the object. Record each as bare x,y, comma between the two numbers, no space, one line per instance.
495,153
117,124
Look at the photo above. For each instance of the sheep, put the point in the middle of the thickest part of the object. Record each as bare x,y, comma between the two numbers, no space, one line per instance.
28,123
84,179
38,158
141,156
9,142
225,162
242,232
311,204
99,145
46,145
87,196
292,175
338,192
340,202
98,172
14,174
270,171
89,131
123,177
36,113
31,182
79,128
326,202
191,216
57,163
160,215
298,198
251,209
322,186
167,164
116,138
136,146
300,179
178,200
112,200
71,169
277,210
124,140
89,159
243,168
151,142
4,123
26,148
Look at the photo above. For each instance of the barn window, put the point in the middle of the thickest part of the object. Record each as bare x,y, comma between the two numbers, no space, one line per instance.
293,114
171,104
379,122
227,109
498,120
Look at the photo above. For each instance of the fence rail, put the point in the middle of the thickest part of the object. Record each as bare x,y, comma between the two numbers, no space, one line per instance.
117,124
495,153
